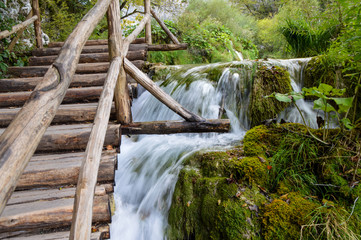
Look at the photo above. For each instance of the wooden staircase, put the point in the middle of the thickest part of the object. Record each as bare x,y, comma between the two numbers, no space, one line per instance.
41,206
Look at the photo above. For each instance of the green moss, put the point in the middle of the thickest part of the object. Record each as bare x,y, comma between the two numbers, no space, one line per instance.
318,71
250,169
267,81
209,203
283,218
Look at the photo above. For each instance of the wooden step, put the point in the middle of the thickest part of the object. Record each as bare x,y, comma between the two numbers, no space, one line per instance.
74,137
48,213
56,236
95,42
87,49
26,84
88,94
83,68
67,113
63,169
87,58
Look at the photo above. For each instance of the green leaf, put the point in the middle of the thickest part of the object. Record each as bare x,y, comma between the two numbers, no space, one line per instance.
347,123
321,104
344,104
283,97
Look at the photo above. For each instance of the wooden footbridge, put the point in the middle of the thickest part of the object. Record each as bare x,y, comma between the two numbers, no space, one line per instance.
61,131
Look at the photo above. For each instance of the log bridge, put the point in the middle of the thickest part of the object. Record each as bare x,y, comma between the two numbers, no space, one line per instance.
62,118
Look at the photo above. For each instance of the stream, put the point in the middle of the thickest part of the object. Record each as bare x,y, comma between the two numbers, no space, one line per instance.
148,165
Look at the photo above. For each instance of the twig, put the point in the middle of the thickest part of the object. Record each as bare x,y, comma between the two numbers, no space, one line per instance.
353,208
130,14
304,121
325,185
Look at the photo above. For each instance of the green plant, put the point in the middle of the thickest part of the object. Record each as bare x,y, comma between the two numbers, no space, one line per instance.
328,97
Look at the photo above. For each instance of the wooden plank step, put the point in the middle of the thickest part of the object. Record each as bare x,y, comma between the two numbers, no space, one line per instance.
26,84
87,49
28,196
95,42
63,169
83,68
79,80
73,95
67,113
57,236
45,214
74,137
87,58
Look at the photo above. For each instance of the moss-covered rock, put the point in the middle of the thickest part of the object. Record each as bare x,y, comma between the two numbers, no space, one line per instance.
319,71
284,217
214,197
267,81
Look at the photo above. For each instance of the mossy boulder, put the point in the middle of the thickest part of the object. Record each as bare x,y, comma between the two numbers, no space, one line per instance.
267,81
284,217
319,71
216,197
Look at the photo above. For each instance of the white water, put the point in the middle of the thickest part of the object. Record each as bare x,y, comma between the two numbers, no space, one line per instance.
148,166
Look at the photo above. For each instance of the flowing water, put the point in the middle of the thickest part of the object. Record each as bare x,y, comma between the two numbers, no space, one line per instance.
148,165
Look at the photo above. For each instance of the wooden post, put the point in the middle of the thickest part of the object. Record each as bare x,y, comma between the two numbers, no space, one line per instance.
21,138
166,30
148,26
115,42
37,27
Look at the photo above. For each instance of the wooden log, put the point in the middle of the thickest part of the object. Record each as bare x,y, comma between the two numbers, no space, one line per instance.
83,68
18,27
168,47
121,92
48,214
164,27
133,36
37,24
170,127
157,92
19,33
79,80
73,95
87,49
28,84
63,169
61,138
87,58
148,26
28,196
82,215
95,42
68,113
58,236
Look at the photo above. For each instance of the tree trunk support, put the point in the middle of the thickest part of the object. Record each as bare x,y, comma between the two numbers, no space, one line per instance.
164,27
37,26
148,26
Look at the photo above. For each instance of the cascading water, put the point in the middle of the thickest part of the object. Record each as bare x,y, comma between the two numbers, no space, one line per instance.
148,165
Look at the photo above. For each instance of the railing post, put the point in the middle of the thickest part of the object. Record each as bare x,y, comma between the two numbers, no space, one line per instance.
115,43
37,27
148,27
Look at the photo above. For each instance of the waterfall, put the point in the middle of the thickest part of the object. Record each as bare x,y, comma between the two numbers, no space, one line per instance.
148,165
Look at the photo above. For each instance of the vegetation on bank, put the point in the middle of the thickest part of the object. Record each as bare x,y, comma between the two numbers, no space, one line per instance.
281,184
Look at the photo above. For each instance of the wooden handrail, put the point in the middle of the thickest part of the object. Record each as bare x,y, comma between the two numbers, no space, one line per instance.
164,27
19,33
18,27
20,140
83,202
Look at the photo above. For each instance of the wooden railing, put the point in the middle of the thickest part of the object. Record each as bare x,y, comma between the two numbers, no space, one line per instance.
33,17
20,140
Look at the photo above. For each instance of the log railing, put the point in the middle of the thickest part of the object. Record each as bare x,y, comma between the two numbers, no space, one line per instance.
20,140
33,17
